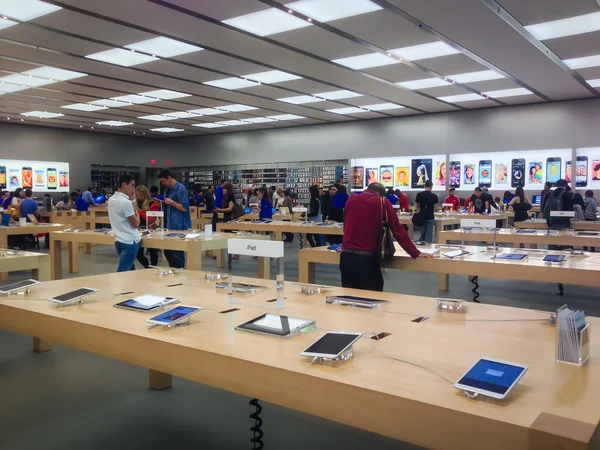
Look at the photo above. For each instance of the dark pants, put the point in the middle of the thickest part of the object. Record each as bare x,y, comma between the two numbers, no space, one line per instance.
361,271
153,252
289,237
176,258
315,240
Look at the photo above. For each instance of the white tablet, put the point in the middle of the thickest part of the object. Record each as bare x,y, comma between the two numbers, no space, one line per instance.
72,295
491,377
455,253
173,315
331,345
7,288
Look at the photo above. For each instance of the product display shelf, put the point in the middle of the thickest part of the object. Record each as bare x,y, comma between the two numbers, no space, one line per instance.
106,178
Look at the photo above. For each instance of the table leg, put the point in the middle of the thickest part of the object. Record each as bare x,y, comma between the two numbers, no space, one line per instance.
437,233
55,258
42,272
193,258
443,281
3,244
41,346
278,236
306,270
264,268
221,257
90,226
159,380
73,257
534,246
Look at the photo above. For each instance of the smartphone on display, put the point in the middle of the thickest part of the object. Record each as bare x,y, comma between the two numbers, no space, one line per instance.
518,173
386,174
536,174
63,179
421,172
569,170
469,172
402,177
455,174
14,178
27,177
72,295
51,176
2,177
553,166
501,174
581,170
358,177
372,176
595,168
485,173
39,178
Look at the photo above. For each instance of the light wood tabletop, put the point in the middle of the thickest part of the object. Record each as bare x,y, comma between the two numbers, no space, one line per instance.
554,405
192,247
38,263
278,228
518,236
541,224
441,223
581,270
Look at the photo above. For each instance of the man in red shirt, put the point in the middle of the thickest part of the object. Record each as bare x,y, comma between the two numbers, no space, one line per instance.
452,199
402,200
359,261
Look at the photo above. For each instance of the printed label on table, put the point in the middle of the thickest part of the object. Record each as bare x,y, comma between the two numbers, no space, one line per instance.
251,247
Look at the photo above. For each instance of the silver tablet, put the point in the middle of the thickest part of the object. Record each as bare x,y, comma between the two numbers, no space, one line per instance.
491,377
331,345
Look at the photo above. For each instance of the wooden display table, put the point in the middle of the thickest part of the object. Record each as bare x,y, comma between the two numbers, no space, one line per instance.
192,247
579,270
255,216
38,263
554,405
502,216
508,236
278,228
541,224
440,224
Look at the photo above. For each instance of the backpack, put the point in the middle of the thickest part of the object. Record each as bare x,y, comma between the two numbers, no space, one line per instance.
553,203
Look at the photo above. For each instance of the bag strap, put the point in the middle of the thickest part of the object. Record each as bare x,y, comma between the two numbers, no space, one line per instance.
384,210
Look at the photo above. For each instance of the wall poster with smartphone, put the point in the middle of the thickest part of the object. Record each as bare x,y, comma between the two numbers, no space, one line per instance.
372,176
485,173
518,172
553,168
63,179
358,177
14,178
402,177
469,174
387,176
52,178
581,170
455,174
2,177
421,172
27,177
595,168
536,173
501,174
569,171
39,178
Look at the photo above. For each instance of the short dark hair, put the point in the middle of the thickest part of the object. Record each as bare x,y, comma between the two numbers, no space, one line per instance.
561,183
154,189
125,178
589,193
450,189
547,183
377,187
73,194
428,183
224,182
210,186
165,173
28,192
477,189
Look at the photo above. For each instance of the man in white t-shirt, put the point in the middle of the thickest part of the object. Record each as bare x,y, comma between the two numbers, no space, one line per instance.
124,221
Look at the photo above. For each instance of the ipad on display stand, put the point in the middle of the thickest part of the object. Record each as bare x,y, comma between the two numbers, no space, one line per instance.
176,317
491,377
20,287
146,303
333,346
72,297
276,325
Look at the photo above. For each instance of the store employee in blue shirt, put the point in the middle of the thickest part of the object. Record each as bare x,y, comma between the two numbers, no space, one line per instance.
266,209
80,203
177,213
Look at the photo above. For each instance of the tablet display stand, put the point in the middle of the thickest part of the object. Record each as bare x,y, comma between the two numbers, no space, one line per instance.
344,356
451,305
20,291
6,252
184,321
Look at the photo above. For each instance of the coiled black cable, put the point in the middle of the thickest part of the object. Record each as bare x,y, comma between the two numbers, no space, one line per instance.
561,289
257,442
474,290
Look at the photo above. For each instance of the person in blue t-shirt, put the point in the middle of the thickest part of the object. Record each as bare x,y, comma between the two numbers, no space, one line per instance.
29,206
79,202
266,208
177,213
154,194
391,196
199,199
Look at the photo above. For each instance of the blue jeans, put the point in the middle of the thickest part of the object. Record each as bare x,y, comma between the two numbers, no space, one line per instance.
176,258
427,231
127,254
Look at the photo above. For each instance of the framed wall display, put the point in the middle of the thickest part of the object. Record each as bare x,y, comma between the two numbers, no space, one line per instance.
41,176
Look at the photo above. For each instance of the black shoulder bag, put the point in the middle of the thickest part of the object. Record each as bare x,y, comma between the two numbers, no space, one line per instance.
386,238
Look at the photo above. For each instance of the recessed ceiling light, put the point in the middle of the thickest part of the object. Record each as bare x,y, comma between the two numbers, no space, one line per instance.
584,62
300,99
232,123
109,103
231,83
165,47
42,114
135,99
165,94
267,22
328,10
348,110
259,120
114,123
586,23
167,130
236,108
423,84
424,51
157,117
593,83
84,107
24,80
337,95
366,61
121,57
209,125
272,76
473,77
54,73
182,115
382,107
208,112
25,10
5,88
7,23
286,117
460,98
507,93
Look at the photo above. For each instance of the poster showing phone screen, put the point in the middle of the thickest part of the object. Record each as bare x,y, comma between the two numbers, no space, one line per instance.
41,176
528,169
408,173
587,168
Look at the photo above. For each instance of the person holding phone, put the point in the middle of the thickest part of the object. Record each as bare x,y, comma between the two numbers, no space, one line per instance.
144,204
124,220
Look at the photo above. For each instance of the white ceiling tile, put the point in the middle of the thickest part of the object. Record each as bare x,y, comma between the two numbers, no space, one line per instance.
583,62
114,123
338,95
267,22
300,99
237,108
109,103
231,83
42,114
461,98
165,94
164,47
259,120
348,110
208,112
209,125
233,123
167,130
54,73
593,83
328,10
272,76
507,93
366,61
586,23
424,83
382,107
286,117
424,51
84,107
121,57
25,80
158,117
5,23
25,10
135,99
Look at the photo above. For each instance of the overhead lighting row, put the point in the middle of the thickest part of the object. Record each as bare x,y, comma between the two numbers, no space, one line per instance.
42,76
23,10
365,109
128,100
463,78
253,79
485,95
232,123
217,110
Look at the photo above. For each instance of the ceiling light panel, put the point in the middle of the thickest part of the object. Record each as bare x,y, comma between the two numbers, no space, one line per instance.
300,99
507,93
586,23
121,57
349,110
182,115
109,103
337,95
272,76
584,62
592,83
233,123
207,112
42,114
473,77
25,10
209,125
5,88
424,51
286,117
114,123
259,120
267,22
328,10
461,98
54,73
5,23
231,83
84,107
167,130
382,107
135,99
237,108
157,118
165,94
164,47
366,61
426,83
25,80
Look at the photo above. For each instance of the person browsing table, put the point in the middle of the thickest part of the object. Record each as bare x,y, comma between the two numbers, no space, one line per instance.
177,213
124,220
359,262
453,199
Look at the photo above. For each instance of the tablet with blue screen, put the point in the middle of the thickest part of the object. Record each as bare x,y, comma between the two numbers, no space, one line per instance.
511,256
491,377
174,315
